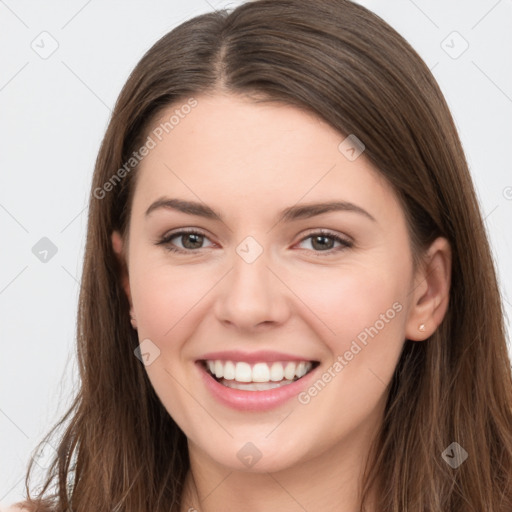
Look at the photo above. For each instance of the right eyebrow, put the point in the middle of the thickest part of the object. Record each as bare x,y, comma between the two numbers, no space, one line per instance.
190,207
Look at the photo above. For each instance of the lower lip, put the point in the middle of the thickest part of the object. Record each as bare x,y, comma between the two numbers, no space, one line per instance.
254,400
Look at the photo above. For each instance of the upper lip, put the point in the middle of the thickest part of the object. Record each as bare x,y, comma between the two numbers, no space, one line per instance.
252,357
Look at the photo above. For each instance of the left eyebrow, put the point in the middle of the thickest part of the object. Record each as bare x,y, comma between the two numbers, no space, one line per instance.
307,211
292,213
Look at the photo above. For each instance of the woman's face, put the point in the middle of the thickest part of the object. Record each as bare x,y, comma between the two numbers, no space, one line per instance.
267,285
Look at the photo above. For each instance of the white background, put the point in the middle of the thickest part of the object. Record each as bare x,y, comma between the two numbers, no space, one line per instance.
54,112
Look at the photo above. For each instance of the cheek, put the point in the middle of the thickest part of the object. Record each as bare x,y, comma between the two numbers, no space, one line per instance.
154,298
364,307
350,300
167,298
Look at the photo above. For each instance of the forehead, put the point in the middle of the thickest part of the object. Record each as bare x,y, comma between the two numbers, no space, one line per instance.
233,153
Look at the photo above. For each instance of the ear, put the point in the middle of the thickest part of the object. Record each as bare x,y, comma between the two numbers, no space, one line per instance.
431,291
119,248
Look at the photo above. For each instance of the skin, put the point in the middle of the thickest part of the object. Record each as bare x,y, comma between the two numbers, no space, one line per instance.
250,161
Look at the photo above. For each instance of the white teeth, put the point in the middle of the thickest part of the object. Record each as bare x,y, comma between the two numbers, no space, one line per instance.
219,369
301,370
229,370
240,371
260,373
289,371
276,372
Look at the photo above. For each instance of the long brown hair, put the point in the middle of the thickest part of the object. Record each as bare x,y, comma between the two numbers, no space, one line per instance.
120,449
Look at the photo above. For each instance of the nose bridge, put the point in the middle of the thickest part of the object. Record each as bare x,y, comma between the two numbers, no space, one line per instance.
251,294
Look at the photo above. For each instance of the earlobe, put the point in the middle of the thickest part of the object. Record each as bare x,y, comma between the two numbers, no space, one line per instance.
431,292
117,243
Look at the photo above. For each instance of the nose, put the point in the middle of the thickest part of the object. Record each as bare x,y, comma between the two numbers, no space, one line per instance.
251,296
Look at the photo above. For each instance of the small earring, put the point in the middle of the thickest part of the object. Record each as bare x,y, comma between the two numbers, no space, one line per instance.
132,320
421,328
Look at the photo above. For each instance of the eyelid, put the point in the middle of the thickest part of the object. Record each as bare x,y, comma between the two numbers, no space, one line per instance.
327,232
179,231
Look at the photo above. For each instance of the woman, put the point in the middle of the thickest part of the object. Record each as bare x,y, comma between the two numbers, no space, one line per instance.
288,299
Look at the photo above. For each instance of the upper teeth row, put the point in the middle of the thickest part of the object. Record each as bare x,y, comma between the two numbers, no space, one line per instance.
259,372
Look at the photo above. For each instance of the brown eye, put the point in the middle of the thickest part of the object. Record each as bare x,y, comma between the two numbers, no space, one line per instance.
325,242
184,241
192,240
322,242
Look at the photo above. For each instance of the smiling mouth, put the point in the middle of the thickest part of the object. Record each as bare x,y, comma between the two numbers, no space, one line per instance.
259,376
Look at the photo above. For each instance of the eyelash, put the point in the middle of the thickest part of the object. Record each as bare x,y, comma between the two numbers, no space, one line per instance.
166,241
